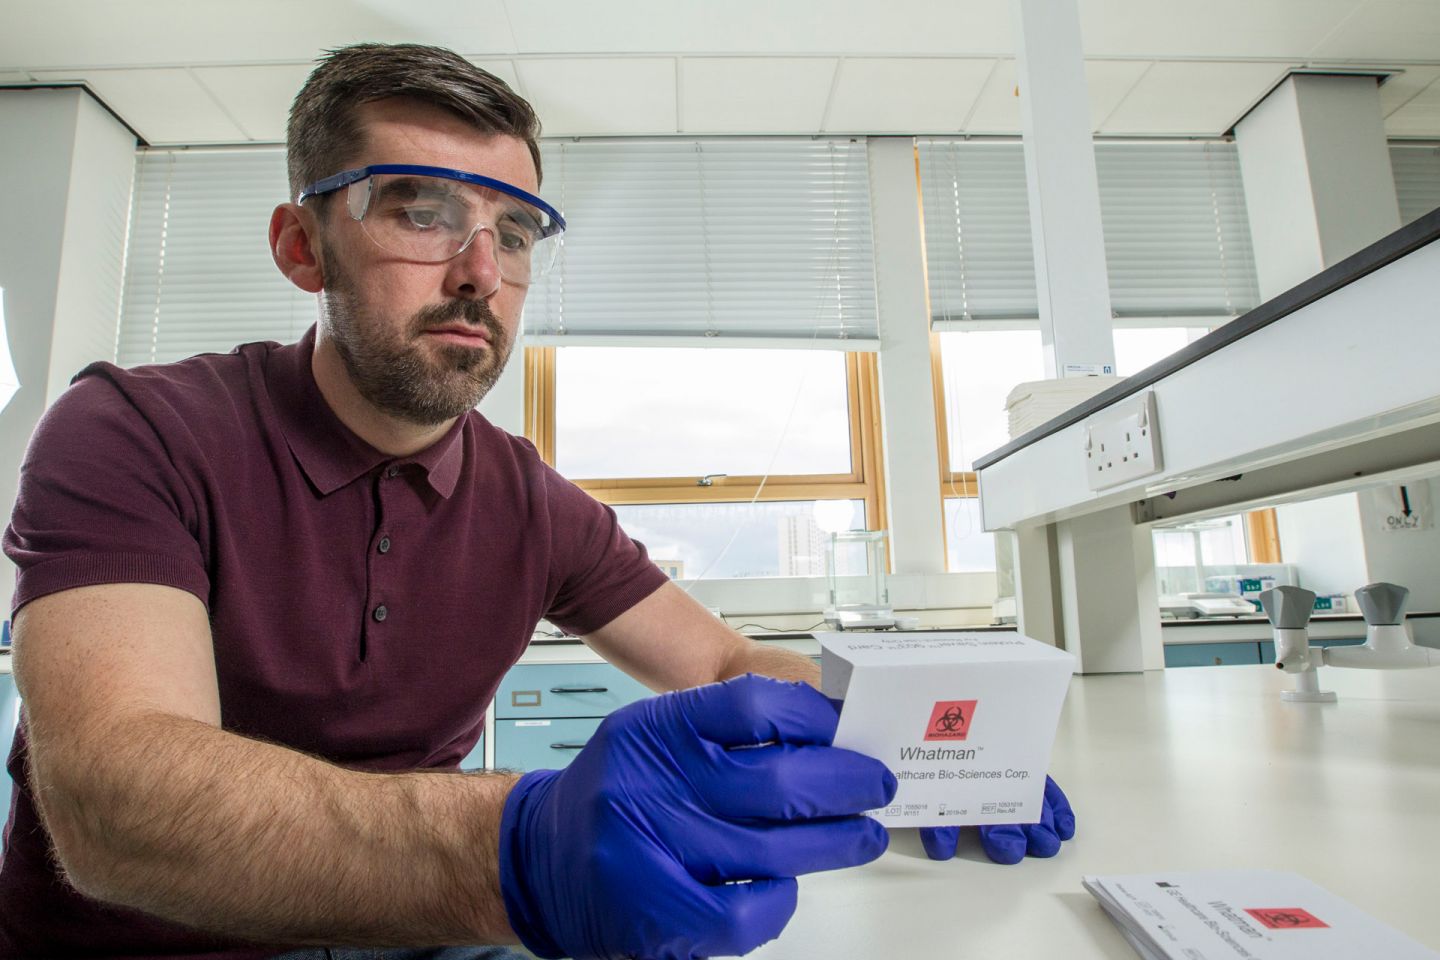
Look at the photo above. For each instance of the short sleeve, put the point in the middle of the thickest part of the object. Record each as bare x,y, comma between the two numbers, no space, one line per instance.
101,501
601,572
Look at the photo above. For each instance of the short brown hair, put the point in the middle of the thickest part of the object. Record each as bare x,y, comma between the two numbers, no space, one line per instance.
324,131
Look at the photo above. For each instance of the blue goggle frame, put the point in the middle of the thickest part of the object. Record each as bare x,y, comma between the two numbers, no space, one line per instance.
345,178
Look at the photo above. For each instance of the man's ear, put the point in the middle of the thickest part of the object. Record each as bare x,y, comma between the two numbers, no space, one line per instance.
295,244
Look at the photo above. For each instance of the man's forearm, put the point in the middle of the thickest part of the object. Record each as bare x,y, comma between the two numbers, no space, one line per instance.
768,661
230,835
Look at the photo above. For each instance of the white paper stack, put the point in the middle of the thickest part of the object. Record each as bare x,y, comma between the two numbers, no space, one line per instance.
1039,401
1244,915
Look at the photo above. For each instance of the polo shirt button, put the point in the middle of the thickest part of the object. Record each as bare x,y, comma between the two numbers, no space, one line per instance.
392,472
384,545
381,613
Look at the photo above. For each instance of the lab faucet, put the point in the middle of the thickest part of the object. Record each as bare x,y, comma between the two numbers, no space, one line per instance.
1388,645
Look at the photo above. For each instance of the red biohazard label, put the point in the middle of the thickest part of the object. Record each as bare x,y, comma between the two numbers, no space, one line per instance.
950,720
1287,918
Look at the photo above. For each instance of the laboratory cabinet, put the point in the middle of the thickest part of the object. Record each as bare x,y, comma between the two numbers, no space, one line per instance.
1233,653
545,712
475,759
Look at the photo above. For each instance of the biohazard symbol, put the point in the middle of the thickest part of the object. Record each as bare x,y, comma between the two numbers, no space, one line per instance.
950,720
1287,918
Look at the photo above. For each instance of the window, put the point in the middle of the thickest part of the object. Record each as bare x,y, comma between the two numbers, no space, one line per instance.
717,541
9,379
724,463
1177,247
695,358
1139,347
727,239
198,272
682,412
1186,554
1417,178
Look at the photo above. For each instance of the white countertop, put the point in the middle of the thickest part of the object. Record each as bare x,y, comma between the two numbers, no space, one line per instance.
1173,770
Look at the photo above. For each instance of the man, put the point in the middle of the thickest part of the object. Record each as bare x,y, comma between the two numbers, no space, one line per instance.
264,599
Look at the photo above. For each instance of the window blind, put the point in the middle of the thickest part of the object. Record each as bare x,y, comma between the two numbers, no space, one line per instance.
198,272
732,241
1417,178
1177,242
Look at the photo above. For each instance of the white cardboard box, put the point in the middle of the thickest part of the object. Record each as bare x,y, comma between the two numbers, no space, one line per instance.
965,720
1233,914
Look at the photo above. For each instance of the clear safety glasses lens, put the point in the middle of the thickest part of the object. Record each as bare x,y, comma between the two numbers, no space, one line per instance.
433,219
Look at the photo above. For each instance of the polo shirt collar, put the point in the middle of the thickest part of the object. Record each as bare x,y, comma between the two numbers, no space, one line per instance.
330,453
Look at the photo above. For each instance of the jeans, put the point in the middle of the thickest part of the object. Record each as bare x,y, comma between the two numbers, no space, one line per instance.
429,953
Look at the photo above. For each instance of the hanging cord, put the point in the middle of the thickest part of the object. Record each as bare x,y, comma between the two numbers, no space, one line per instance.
833,265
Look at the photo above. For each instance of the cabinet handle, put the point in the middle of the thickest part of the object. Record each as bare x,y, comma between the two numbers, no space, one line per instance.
568,746
579,690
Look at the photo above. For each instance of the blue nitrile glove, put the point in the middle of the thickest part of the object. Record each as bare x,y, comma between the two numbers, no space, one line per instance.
640,848
1008,843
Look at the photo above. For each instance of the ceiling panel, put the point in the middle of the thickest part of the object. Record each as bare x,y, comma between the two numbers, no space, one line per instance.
1386,30
997,109
1418,118
1196,99
890,95
164,106
1107,81
795,27
258,98
13,76
69,33
754,94
1215,28
601,96
1402,87
504,69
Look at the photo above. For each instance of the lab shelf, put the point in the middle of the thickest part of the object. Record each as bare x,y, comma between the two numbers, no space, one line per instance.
1288,354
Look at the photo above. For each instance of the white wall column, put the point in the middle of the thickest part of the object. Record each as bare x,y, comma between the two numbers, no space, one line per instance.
1070,277
1318,183
1319,187
907,392
504,405
1030,552
71,166
1110,614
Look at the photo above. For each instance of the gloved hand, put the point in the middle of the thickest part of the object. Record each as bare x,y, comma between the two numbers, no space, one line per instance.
1008,843
663,839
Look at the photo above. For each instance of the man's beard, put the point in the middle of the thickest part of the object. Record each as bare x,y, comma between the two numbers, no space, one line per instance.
392,370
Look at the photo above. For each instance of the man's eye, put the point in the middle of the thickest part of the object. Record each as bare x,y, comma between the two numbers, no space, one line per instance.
424,218
514,240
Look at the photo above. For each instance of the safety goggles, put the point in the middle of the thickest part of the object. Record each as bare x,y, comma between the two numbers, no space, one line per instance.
432,214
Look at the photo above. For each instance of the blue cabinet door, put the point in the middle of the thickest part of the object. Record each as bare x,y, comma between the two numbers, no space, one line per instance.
549,690
541,744
1267,647
475,759
1210,654
9,718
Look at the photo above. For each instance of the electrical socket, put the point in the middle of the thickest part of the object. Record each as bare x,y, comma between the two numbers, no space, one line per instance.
1123,442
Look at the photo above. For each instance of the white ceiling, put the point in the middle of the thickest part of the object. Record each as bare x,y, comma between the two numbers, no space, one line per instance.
220,71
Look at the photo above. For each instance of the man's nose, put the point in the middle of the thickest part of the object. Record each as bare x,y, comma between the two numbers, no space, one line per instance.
475,271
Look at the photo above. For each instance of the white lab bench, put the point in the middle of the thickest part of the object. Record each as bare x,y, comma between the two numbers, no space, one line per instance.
1172,770
1327,388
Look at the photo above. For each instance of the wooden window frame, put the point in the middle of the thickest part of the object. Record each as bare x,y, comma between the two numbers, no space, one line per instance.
864,482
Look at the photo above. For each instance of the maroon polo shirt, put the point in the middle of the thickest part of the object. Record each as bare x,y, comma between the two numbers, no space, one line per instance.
363,607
